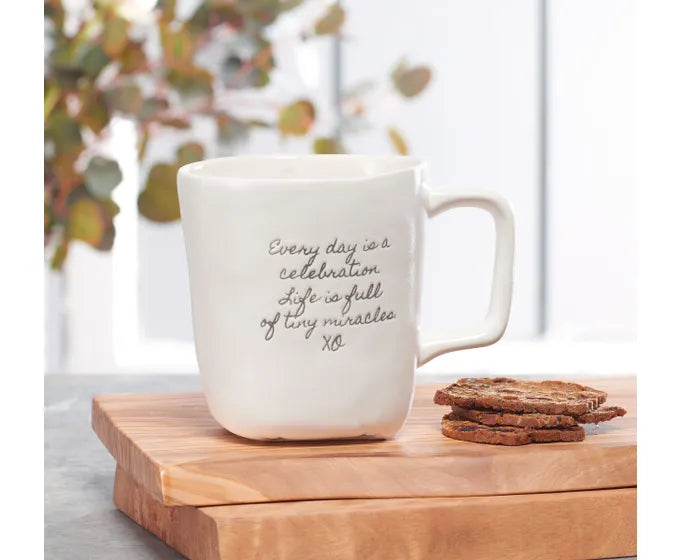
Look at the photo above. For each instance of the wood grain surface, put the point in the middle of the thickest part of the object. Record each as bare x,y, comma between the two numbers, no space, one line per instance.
172,447
573,525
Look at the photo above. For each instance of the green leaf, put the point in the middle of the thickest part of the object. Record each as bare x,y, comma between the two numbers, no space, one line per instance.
48,218
51,97
192,81
158,201
229,129
398,141
86,221
143,143
410,82
94,61
331,22
68,78
91,219
151,107
286,5
133,59
263,58
262,12
54,11
199,20
66,66
94,112
178,47
126,99
257,123
64,132
327,146
211,14
297,118
67,177
72,61
175,122
59,255
189,153
398,70
167,9
115,36
106,242
258,78
110,208
102,176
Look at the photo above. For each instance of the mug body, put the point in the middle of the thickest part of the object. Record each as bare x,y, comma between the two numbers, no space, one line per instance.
305,280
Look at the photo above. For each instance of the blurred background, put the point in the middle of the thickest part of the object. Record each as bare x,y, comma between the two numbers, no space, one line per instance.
530,98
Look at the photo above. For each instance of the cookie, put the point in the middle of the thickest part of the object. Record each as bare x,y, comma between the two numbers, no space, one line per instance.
458,428
509,395
601,414
520,420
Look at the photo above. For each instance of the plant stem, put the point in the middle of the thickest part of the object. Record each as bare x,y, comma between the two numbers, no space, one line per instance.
51,98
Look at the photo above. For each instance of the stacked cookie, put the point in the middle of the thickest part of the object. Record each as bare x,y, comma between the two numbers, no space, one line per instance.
505,411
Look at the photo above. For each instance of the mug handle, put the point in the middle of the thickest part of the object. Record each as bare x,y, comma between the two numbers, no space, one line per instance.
496,319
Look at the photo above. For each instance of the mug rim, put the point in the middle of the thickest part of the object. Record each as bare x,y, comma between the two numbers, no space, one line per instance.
393,164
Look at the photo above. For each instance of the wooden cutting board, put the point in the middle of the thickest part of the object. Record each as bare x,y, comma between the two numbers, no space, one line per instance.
569,525
171,447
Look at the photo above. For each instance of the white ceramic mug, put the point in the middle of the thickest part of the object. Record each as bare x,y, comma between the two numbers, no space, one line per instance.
305,273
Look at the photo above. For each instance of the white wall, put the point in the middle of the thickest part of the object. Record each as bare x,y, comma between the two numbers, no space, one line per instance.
592,263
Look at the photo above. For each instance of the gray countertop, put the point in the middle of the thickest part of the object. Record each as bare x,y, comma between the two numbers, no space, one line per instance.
81,521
